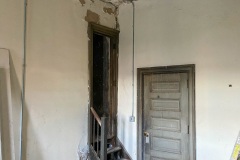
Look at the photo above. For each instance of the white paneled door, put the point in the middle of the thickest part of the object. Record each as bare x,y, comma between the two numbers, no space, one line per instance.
166,117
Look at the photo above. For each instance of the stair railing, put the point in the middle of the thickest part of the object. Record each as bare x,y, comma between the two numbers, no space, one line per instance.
94,150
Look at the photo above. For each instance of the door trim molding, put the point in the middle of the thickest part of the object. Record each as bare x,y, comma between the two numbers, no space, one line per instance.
190,69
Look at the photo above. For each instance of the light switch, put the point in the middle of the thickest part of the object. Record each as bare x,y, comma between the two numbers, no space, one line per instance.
132,119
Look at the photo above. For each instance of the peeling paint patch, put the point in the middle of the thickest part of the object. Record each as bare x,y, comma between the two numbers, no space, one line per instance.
117,23
82,2
92,17
110,10
92,1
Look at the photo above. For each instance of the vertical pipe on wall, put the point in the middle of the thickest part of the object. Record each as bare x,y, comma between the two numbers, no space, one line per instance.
23,77
133,58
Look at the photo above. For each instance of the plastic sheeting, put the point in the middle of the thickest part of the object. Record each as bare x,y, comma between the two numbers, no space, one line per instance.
83,151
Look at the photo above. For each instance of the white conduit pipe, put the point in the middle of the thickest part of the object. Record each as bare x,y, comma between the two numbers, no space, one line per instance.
133,58
23,78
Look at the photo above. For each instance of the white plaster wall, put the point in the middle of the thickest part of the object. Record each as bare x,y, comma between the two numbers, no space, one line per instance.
205,33
55,113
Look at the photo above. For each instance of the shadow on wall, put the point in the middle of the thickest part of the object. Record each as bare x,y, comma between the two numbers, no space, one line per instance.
16,111
16,107
5,117
10,114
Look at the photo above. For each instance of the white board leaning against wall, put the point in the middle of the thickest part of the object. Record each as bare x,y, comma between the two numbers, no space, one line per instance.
6,128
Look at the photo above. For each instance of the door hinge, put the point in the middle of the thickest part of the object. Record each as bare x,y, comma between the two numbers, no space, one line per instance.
188,129
187,83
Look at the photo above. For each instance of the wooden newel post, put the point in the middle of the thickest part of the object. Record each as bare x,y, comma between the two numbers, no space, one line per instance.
103,152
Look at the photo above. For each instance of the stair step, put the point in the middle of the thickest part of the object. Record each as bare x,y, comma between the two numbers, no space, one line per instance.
113,149
124,159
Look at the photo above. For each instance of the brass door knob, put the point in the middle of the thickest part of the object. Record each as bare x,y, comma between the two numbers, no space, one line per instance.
146,134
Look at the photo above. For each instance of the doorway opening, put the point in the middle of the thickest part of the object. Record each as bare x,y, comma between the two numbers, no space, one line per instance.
166,113
101,79
103,75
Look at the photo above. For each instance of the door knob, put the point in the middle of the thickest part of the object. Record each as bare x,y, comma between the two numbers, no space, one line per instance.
146,134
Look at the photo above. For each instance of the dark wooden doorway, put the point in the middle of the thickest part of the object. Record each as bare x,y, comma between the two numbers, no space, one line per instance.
103,74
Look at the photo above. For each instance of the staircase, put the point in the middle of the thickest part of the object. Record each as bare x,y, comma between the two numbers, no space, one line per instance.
104,146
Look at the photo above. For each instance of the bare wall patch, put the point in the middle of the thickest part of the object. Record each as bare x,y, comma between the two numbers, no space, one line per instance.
82,2
92,17
110,10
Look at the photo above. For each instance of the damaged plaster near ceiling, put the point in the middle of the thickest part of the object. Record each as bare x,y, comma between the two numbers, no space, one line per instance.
115,3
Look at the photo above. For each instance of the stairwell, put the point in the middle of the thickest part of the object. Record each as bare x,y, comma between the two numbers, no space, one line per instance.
104,146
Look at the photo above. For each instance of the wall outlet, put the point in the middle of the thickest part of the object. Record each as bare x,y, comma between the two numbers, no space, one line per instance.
132,119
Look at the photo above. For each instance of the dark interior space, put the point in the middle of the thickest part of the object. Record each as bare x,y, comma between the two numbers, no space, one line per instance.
101,74
104,143
100,81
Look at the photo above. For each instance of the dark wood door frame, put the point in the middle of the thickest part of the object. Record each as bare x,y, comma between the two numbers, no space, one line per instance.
190,69
114,39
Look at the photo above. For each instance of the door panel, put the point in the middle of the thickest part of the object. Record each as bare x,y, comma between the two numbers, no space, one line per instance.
166,117
162,104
